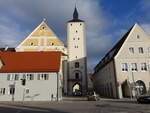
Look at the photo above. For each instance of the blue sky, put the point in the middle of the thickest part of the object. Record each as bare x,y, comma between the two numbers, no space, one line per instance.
106,21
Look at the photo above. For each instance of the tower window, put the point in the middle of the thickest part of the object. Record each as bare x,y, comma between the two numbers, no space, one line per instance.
71,24
77,75
76,31
77,65
78,38
80,24
76,46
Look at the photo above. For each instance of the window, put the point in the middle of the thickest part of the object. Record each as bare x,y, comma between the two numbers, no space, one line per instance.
131,50
80,24
73,38
138,36
141,50
2,91
143,67
52,44
31,44
149,50
27,91
77,75
76,46
76,31
77,65
78,38
134,67
43,76
76,57
124,67
12,91
24,76
10,77
30,77
71,24
16,77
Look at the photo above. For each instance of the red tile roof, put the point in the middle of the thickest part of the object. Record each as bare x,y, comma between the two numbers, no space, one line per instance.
30,61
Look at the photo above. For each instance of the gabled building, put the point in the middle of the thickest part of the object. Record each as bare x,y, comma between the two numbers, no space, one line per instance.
125,69
30,76
42,38
72,71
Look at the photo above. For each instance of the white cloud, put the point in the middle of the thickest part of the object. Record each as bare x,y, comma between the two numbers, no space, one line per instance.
24,15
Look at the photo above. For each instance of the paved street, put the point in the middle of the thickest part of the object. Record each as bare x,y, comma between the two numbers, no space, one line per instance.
103,106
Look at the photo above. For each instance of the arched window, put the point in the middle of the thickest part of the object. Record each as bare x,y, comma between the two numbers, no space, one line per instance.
77,65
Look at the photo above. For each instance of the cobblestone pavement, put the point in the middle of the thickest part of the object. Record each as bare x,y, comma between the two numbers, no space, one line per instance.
102,106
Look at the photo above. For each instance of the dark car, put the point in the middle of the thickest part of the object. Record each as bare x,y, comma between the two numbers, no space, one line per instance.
143,99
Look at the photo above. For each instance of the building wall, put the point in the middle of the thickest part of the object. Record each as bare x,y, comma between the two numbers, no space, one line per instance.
125,56
104,81
39,90
76,53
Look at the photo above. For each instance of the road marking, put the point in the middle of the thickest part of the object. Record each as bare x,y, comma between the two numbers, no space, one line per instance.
24,108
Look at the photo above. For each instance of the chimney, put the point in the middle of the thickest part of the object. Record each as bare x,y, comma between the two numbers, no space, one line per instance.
6,48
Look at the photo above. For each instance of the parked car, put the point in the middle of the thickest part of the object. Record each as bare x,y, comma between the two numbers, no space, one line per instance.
93,98
143,99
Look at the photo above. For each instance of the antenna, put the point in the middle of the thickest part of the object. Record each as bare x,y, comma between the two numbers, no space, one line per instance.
44,19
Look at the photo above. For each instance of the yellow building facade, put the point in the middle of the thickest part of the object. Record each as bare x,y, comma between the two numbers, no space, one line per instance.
41,39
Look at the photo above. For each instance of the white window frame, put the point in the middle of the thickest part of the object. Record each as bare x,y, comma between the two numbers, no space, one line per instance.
141,50
131,50
2,91
124,67
43,76
143,67
134,67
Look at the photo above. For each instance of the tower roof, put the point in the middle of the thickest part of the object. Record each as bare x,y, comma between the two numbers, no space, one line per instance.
76,16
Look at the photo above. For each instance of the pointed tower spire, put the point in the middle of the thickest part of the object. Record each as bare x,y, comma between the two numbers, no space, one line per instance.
75,14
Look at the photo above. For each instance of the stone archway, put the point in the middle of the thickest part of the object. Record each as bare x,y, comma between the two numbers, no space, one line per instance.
141,88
